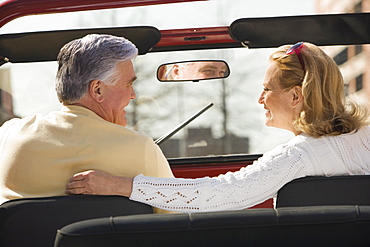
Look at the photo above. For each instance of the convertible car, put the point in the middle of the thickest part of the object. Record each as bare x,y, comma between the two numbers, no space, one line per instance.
205,125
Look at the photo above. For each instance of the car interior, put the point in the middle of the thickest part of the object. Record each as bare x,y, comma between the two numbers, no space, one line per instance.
311,211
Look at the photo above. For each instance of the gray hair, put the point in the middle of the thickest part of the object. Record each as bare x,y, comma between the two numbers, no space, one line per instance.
93,57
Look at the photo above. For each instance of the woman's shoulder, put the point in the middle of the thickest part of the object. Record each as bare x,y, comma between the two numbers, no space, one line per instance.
321,144
299,145
303,138
365,130
295,145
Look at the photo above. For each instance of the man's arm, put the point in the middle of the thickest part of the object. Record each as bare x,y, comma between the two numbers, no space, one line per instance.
97,182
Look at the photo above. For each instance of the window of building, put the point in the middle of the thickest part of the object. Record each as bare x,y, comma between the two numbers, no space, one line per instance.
359,80
358,49
358,7
346,89
342,57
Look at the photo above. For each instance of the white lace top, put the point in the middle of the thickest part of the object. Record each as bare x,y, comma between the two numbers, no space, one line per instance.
347,154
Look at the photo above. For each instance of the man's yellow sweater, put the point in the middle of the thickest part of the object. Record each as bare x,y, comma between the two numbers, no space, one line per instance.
39,154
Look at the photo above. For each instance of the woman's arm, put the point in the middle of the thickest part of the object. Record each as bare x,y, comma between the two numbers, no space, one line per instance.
232,191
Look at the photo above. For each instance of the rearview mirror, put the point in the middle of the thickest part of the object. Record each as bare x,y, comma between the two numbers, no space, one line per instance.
193,70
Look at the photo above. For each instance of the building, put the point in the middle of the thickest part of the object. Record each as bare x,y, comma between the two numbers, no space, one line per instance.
6,101
200,142
353,61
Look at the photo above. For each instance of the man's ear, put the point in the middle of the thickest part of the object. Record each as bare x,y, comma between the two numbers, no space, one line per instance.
96,89
175,72
297,96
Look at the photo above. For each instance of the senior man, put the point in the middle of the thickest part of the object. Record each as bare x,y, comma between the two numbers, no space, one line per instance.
94,83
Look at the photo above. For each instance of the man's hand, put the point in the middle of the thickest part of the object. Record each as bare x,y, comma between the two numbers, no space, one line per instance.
96,182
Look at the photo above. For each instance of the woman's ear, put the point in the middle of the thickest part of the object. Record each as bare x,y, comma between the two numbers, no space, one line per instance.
297,96
96,90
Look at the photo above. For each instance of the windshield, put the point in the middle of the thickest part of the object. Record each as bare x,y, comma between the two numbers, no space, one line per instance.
235,123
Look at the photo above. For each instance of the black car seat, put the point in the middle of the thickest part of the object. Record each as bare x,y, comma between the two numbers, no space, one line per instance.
316,191
34,221
290,226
